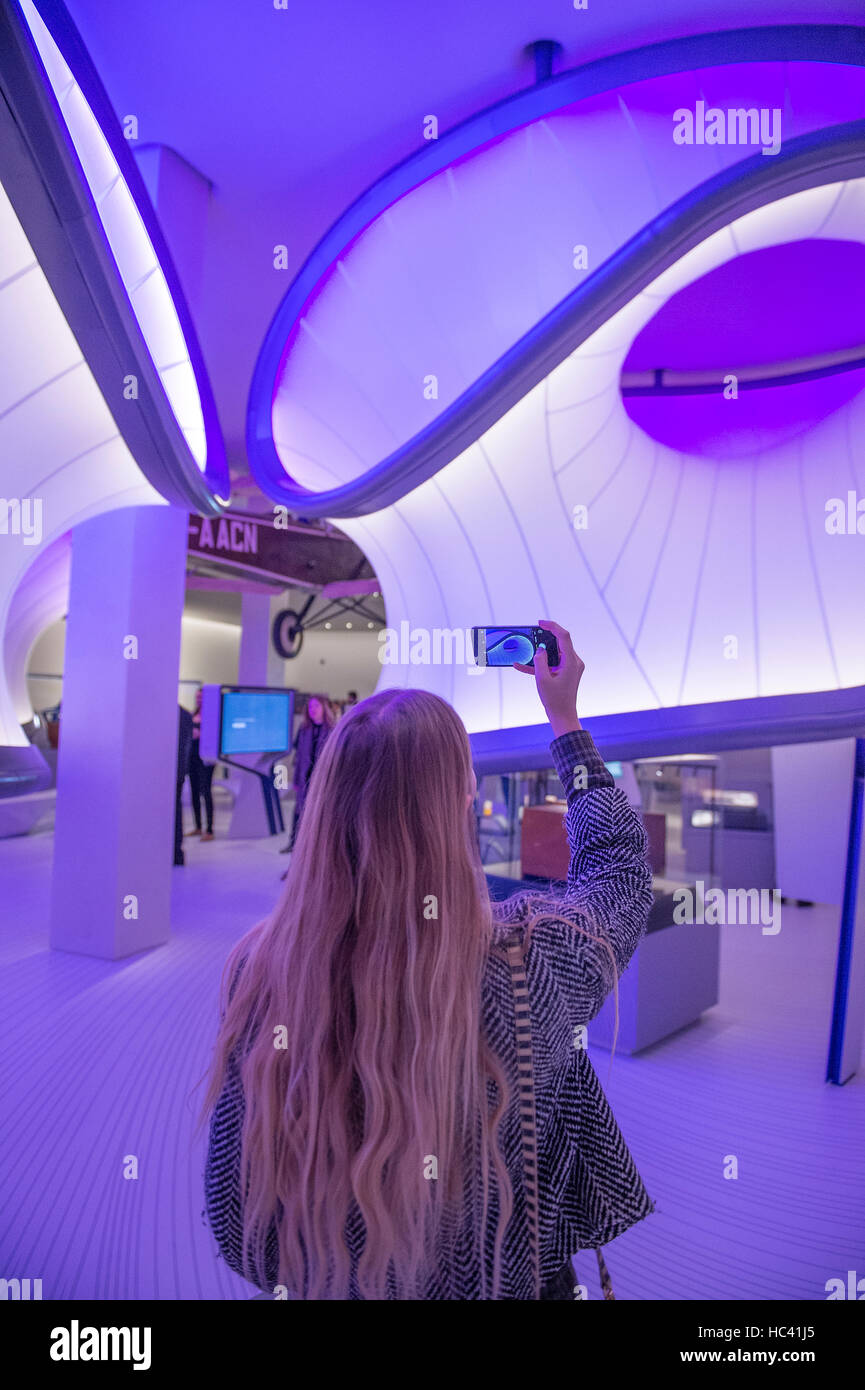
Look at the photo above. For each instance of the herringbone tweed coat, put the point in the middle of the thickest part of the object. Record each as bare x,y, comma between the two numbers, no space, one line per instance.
590,1190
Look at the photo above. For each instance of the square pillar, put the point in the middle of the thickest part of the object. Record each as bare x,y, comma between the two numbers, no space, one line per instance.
258,662
117,766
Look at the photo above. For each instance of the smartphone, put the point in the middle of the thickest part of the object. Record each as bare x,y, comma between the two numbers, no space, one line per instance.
503,646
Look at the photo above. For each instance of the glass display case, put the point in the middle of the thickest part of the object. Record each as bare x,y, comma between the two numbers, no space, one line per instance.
708,821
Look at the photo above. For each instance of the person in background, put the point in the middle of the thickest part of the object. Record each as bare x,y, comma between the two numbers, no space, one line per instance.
200,777
184,753
351,699
315,725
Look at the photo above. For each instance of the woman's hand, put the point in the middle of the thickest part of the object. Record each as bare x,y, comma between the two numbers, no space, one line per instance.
557,686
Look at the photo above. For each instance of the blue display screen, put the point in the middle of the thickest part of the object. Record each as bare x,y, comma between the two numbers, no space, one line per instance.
256,721
505,645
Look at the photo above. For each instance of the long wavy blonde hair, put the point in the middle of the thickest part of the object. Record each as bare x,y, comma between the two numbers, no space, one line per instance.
355,1019
353,1014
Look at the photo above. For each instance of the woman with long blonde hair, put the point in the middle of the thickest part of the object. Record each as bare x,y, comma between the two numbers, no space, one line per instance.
365,1134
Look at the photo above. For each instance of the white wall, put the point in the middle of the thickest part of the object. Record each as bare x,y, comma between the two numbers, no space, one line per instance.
46,656
208,654
337,662
812,791
333,662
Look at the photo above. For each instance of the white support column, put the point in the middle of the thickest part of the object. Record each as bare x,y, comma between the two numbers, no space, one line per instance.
113,846
259,663
117,767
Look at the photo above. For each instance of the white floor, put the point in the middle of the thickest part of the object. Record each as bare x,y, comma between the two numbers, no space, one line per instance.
98,1061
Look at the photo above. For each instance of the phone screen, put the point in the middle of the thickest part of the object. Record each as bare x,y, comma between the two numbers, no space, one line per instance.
503,646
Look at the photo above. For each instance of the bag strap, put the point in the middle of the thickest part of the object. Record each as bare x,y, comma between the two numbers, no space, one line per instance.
604,1274
526,1091
528,1122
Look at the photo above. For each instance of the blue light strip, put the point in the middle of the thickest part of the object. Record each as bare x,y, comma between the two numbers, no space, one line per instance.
763,722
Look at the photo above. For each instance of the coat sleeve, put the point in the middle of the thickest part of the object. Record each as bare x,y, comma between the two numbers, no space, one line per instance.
222,1171
608,895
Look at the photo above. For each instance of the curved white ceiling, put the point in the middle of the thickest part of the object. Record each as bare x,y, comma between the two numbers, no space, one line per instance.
63,456
459,268
695,580
679,553
104,312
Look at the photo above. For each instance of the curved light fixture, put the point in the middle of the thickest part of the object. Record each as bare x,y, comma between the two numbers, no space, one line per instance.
104,400
103,235
517,487
460,258
131,246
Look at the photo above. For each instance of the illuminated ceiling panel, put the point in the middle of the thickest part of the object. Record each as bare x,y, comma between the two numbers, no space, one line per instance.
685,579
423,312
64,459
674,555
